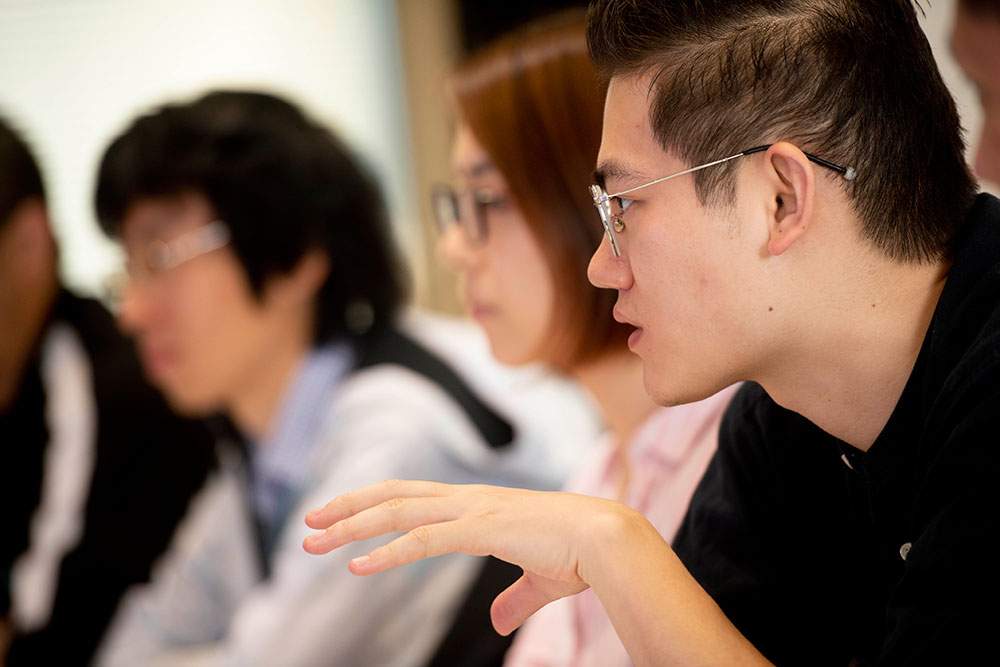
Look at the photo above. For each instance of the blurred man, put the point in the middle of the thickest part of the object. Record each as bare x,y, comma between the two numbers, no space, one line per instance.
81,436
976,44
263,282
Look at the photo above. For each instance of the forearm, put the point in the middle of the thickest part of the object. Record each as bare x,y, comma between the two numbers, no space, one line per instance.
661,614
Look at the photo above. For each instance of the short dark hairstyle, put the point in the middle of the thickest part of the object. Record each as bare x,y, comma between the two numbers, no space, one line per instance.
535,103
853,81
20,178
283,184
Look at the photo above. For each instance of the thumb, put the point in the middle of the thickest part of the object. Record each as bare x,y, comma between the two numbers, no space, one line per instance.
522,599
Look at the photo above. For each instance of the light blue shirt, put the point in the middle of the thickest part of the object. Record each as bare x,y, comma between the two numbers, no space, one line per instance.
280,461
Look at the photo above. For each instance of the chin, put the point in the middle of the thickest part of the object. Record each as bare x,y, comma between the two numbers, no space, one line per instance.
676,392
190,404
510,355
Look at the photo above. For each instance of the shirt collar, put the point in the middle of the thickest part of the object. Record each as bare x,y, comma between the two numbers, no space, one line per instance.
282,455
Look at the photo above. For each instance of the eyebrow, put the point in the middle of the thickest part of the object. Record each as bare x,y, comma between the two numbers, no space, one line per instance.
479,168
618,170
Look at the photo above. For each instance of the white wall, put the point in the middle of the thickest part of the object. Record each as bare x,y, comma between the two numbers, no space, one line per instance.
74,72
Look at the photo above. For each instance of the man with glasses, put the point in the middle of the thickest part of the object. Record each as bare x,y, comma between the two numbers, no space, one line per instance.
846,267
262,284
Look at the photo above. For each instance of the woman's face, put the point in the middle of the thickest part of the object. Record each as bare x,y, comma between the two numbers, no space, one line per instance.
505,281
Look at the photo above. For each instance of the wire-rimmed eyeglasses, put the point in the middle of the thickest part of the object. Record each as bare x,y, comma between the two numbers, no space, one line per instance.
613,221
161,256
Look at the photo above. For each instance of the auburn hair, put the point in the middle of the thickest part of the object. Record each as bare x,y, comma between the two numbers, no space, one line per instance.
535,103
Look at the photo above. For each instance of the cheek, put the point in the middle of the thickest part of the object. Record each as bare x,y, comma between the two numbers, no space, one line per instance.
214,325
526,295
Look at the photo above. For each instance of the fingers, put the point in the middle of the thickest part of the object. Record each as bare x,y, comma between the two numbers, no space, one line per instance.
349,504
424,541
516,604
391,516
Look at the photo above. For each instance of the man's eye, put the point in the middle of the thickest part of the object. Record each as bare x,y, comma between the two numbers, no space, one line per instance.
623,204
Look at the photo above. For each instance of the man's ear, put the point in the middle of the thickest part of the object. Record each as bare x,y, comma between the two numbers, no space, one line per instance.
303,282
791,188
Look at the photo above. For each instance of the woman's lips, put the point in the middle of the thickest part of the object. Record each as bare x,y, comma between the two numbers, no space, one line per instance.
479,310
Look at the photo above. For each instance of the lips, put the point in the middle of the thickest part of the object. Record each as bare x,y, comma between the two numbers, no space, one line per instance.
635,336
623,318
156,361
476,307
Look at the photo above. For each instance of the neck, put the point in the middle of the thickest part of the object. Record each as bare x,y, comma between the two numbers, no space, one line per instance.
615,382
255,404
862,354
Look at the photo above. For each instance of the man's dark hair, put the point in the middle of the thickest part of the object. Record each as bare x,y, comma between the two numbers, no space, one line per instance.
853,81
20,178
283,185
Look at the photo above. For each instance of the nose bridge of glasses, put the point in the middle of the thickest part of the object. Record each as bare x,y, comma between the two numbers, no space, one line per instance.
603,205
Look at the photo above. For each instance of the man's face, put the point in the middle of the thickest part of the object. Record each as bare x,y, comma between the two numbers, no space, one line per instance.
684,278
201,332
976,44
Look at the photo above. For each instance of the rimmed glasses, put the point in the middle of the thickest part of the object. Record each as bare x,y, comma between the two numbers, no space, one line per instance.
611,207
468,210
161,256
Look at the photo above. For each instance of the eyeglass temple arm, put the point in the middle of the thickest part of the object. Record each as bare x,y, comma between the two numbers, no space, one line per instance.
848,173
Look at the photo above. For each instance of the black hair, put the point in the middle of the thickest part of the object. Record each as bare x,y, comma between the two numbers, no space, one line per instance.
283,184
20,178
852,81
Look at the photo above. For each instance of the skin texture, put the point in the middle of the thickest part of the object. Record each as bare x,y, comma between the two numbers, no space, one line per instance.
28,286
505,282
204,337
976,44
718,294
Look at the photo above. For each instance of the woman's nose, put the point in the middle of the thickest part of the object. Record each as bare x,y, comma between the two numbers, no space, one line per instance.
455,249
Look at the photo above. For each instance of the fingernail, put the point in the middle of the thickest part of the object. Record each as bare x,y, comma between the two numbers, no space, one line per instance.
361,561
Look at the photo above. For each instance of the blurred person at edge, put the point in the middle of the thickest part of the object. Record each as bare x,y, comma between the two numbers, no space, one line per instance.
263,284
976,44
520,231
83,440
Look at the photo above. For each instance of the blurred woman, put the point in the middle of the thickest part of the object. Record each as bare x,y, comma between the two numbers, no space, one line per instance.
520,228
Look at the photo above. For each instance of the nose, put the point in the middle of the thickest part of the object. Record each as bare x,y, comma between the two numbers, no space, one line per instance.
133,307
455,249
607,271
